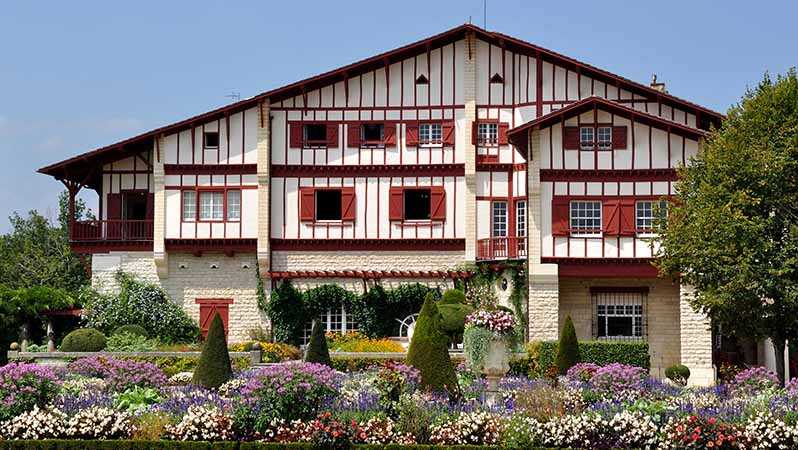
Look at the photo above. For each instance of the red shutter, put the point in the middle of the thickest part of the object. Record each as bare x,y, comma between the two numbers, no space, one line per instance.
114,207
437,203
332,135
503,127
570,138
619,138
295,132
353,135
560,216
208,310
626,208
448,133
411,134
389,134
150,206
396,203
307,203
348,203
474,129
611,217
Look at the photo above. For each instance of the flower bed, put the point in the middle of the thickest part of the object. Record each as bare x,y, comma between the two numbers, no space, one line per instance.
611,406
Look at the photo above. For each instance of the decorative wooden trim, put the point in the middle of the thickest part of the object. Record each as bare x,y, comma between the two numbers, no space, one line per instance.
609,175
224,245
213,301
614,289
110,246
438,170
500,167
604,267
369,244
210,169
370,274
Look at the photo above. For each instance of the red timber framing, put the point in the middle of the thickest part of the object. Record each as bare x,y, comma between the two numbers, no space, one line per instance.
371,274
378,170
210,169
200,246
75,168
604,267
421,244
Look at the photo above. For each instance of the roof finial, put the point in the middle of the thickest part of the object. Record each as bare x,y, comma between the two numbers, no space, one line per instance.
657,85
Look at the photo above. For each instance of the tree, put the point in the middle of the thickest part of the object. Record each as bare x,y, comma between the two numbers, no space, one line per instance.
568,347
732,231
317,351
82,212
428,351
214,368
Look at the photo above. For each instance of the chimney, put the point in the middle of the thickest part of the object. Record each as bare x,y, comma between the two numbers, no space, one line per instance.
657,85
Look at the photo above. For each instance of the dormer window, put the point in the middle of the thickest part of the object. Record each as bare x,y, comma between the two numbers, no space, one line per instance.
586,141
604,138
211,139
595,137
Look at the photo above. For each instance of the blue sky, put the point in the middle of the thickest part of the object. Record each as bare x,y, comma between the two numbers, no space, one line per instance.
79,75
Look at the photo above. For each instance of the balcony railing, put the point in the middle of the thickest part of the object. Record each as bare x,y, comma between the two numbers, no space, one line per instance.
502,248
111,230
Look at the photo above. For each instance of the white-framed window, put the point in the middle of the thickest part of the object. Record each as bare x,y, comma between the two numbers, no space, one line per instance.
604,138
585,217
336,320
488,133
647,211
520,218
586,138
211,205
233,205
189,205
619,315
430,133
500,219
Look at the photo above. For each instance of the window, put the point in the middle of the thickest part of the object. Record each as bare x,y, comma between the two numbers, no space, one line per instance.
586,138
586,217
372,132
211,139
430,133
520,219
604,135
417,204
328,204
488,133
189,205
619,315
499,219
646,213
335,320
211,205
233,205
314,133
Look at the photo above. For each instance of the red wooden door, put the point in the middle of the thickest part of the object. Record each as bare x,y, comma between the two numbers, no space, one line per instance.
209,307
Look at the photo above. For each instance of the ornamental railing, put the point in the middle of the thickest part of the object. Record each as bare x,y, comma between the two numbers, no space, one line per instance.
111,230
501,248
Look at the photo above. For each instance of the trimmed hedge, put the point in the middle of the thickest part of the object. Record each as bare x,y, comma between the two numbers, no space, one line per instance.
542,355
83,340
182,445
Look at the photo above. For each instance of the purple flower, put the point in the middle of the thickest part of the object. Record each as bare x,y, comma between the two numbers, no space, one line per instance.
119,374
23,386
753,380
618,377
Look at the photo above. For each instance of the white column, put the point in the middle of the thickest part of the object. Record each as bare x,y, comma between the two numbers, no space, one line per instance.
159,211
264,156
544,286
470,96
695,334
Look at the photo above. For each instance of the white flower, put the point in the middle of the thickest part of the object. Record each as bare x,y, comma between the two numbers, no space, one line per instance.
181,378
202,423
99,422
35,424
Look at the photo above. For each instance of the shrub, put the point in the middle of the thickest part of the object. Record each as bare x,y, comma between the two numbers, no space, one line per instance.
136,330
542,355
582,372
372,313
317,351
428,351
286,313
678,373
23,386
616,378
214,368
754,379
83,340
453,317
143,304
271,352
453,296
128,342
568,348
119,374
347,365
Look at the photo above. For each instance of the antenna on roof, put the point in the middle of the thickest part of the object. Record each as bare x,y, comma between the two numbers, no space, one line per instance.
234,95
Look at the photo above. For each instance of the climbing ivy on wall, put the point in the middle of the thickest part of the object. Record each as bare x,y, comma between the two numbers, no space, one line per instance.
487,274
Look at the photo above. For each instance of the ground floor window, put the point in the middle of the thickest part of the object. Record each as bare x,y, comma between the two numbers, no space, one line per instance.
619,314
335,320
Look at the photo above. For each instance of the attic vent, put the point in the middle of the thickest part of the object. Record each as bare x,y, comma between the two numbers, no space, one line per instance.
496,78
422,79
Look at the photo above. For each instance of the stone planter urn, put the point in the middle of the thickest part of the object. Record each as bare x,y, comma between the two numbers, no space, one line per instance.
495,366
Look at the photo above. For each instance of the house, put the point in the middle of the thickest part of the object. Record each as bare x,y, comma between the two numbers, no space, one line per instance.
466,146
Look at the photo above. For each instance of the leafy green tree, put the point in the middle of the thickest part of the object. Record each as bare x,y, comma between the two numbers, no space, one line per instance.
214,368
82,212
568,347
732,232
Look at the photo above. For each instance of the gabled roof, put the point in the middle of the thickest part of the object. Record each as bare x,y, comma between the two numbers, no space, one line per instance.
78,168
518,135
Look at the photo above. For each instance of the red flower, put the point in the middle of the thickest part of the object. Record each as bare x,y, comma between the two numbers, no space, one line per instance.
712,420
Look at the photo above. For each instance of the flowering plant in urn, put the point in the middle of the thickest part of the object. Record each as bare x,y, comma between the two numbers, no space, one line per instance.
485,339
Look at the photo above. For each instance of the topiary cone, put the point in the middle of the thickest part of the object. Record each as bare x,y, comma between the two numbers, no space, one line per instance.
568,348
214,368
429,353
317,351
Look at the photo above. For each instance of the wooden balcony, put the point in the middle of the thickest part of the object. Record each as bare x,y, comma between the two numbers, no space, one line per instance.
90,236
501,248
